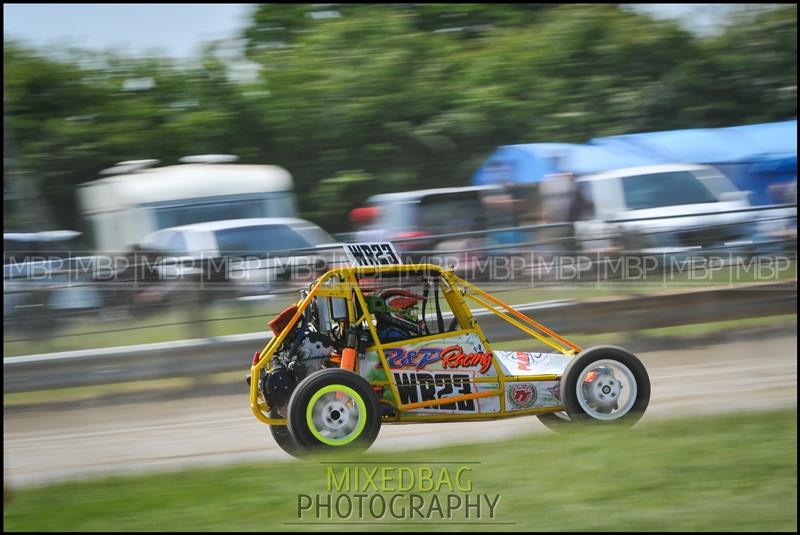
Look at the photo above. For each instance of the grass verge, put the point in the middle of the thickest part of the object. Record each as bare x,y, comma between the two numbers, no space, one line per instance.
715,473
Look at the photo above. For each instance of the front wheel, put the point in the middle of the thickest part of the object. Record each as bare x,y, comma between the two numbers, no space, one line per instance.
605,384
334,409
284,438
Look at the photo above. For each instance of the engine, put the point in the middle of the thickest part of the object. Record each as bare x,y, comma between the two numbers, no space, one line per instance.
305,350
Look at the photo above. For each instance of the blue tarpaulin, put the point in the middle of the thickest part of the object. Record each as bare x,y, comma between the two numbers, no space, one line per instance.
520,164
754,157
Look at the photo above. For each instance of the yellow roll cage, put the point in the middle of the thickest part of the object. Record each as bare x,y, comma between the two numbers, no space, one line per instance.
343,283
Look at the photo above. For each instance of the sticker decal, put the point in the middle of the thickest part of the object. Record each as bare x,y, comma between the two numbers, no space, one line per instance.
522,395
426,370
454,357
399,358
532,395
457,353
416,387
524,363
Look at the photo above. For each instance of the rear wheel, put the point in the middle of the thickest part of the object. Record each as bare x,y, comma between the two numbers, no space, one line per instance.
334,409
605,384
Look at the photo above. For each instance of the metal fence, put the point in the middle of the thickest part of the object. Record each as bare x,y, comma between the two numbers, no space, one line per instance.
75,297
231,353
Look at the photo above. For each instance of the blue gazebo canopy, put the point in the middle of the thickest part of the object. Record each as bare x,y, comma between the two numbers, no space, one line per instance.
520,164
752,156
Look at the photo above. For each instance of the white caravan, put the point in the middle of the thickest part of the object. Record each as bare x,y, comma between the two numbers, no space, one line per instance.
137,198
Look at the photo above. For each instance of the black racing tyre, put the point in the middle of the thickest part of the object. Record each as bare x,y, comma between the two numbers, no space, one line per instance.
334,409
605,384
283,437
557,421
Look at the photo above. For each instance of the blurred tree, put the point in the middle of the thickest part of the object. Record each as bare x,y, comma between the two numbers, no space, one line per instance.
413,95
279,26
365,90
337,195
747,74
70,118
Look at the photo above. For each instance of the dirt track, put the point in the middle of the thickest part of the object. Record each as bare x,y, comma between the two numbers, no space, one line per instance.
74,442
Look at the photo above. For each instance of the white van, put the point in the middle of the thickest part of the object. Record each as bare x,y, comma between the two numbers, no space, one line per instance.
137,198
661,208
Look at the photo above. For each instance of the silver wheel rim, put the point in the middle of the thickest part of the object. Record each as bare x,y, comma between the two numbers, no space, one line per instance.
335,415
606,389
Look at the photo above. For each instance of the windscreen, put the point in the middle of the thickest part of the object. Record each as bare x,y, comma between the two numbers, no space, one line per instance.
442,214
259,240
664,189
313,234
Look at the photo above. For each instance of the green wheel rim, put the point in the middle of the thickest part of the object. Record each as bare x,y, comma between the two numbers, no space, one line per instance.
358,404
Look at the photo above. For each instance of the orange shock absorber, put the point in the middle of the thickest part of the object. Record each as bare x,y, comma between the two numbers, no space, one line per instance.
349,352
349,359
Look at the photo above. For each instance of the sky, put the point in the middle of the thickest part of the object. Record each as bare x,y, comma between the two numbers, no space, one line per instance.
178,30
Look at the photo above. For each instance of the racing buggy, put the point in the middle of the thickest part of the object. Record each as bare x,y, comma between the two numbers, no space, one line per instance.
381,342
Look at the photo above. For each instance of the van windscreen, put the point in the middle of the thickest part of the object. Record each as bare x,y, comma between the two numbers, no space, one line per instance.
442,214
664,189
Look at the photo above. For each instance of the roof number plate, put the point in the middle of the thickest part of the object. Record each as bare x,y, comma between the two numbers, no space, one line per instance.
372,254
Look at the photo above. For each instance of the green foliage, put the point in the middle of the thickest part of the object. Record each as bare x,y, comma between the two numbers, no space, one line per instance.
334,197
414,95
